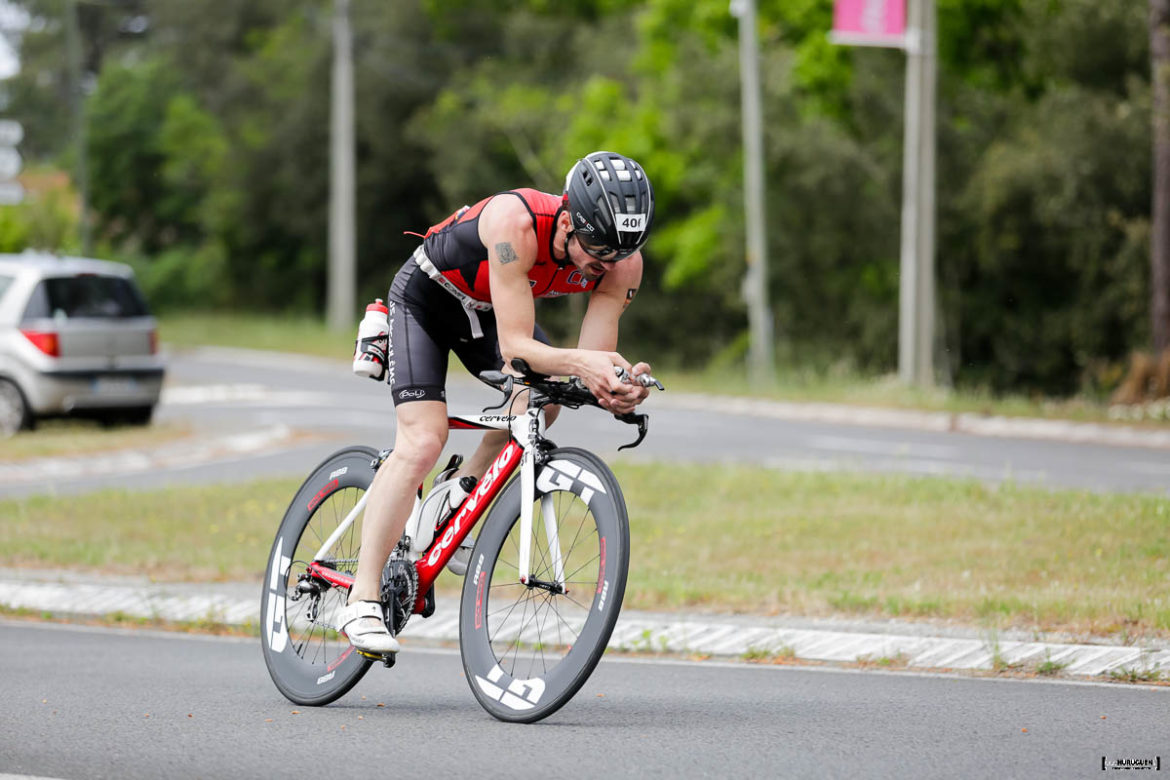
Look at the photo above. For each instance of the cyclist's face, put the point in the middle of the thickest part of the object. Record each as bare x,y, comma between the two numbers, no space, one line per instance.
595,260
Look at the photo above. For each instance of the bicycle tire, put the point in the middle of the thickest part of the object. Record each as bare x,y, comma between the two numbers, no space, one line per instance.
310,663
497,648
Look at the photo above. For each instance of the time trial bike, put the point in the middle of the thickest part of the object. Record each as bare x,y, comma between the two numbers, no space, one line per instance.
544,582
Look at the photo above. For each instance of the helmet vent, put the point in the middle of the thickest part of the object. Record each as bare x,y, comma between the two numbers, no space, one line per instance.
611,200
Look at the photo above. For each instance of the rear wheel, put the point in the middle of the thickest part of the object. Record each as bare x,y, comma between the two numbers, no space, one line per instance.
14,412
310,660
528,648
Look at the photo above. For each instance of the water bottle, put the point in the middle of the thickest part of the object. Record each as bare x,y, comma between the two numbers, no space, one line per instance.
369,356
444,498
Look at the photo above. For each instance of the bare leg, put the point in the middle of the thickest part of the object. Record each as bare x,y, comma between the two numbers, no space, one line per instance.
422,432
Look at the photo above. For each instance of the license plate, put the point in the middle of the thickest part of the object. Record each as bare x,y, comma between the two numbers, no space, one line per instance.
115,386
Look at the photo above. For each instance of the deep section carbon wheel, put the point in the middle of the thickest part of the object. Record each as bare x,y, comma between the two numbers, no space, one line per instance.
310,660
529,647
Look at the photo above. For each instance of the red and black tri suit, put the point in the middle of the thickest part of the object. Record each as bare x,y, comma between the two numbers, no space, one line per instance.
441,298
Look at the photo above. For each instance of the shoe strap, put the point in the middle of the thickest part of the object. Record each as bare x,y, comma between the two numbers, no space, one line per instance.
366,609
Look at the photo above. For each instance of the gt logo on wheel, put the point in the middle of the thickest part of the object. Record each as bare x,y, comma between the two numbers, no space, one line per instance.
531,690
275,628
561,475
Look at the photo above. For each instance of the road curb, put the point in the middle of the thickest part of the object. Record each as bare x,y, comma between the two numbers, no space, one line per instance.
742,637
937,422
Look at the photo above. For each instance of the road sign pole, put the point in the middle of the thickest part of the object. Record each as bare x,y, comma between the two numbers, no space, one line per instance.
755,283
73,51
340,313
916,294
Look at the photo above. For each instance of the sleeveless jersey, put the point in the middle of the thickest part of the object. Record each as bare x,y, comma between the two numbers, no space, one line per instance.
455,250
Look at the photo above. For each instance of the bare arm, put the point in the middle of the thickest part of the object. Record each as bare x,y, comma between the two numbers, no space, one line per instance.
599,328
505,227
615,291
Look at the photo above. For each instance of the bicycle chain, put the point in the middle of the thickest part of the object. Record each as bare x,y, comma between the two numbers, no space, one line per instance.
399,571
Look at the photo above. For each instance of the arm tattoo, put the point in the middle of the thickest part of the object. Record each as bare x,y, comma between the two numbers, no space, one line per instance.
506,253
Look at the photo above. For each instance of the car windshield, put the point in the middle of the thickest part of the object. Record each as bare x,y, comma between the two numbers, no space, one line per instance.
85,296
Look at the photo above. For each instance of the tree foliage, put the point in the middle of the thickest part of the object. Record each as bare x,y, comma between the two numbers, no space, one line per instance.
208,144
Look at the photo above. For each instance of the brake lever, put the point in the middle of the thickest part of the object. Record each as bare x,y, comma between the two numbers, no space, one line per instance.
493,378
643,423
521,366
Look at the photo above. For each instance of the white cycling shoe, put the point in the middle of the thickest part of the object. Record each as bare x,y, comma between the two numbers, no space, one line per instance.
362,623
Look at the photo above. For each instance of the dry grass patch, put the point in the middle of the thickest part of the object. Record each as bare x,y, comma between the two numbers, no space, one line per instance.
216,533
62,438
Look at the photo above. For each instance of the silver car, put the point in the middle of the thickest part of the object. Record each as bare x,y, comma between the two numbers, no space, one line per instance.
76,338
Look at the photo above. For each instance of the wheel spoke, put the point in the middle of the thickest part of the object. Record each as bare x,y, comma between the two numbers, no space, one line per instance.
546,639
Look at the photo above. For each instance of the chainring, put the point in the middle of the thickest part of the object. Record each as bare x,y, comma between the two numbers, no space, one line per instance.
399,591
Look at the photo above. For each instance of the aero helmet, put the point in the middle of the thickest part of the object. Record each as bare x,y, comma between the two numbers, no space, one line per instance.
610,203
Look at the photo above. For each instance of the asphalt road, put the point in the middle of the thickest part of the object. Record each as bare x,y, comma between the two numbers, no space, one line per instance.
100,703
225,392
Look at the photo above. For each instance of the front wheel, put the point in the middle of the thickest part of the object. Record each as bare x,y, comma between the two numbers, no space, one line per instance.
310,660
528,648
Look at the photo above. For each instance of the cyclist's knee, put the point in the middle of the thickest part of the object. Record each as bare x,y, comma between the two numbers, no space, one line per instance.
421,436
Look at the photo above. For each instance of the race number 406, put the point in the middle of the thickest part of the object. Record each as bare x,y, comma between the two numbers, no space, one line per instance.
632,223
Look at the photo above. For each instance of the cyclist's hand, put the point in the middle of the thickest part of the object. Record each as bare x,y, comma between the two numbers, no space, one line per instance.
596,370
638,393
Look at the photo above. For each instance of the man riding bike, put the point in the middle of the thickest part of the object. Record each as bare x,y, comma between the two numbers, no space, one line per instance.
470,287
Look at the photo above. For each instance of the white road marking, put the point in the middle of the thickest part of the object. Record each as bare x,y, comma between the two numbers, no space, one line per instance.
192,395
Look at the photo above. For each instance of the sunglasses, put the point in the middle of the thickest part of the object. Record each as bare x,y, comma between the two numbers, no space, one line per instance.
602,252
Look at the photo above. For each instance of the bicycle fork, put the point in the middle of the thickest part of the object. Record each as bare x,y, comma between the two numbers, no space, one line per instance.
529,429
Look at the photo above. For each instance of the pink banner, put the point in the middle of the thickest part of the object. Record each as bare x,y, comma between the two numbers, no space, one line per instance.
869,22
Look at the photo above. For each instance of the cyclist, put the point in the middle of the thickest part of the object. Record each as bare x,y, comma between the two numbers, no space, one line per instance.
470,288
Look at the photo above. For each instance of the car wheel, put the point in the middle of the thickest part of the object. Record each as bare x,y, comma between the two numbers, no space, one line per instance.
14,412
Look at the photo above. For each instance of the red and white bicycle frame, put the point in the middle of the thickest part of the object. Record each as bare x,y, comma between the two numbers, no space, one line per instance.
520,451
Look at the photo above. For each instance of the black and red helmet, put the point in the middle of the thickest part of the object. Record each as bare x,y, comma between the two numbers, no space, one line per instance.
611,204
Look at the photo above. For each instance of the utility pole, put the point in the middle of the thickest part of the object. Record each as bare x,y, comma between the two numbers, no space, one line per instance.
917,300
1160,221
77,104
340,314
755,282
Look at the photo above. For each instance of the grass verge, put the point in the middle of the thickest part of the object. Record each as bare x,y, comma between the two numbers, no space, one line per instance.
55,438
725,539
302,335
207,625
306,335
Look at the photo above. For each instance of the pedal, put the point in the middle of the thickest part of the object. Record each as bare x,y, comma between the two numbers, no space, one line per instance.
387,660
